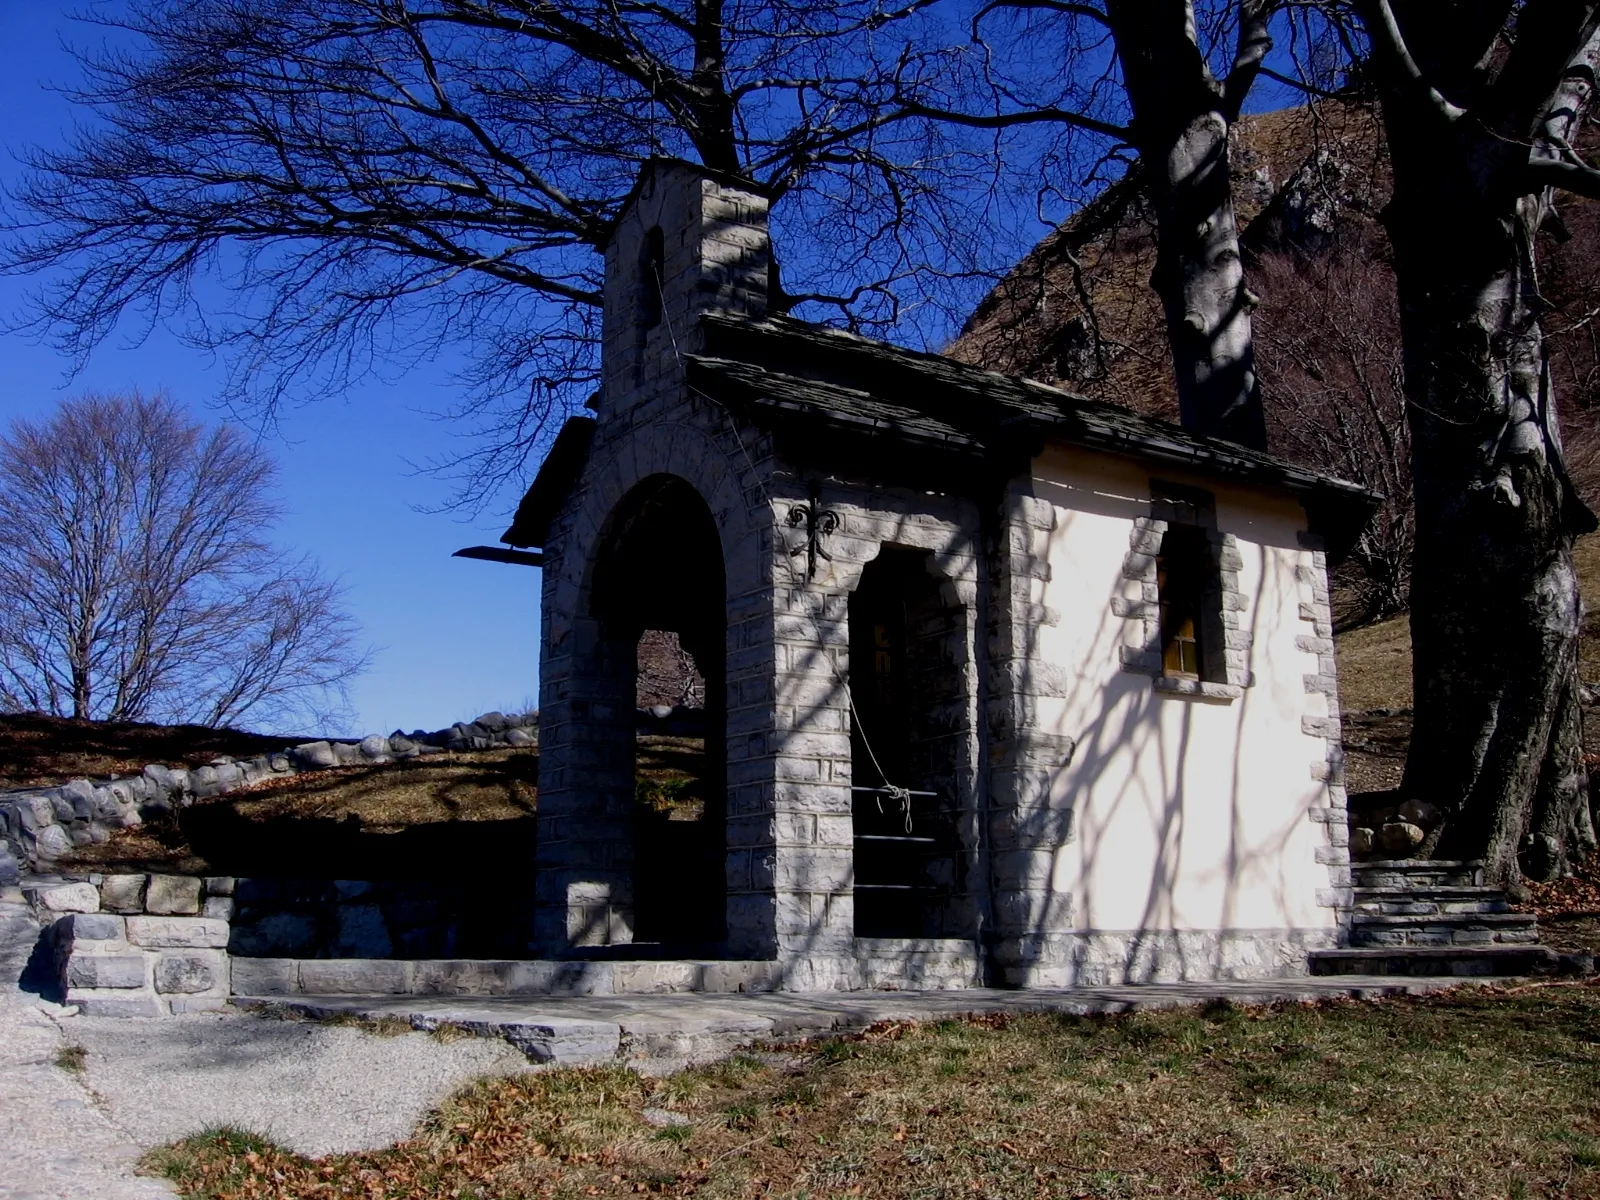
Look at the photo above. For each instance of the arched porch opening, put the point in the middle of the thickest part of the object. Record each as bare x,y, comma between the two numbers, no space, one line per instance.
659,594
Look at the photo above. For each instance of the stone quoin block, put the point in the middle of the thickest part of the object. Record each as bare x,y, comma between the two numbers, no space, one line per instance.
87,970
90,927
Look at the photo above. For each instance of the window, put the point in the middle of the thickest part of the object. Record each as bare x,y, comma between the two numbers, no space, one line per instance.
1181,575
652,267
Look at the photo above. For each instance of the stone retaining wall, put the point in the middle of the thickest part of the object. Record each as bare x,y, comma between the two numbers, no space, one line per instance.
137,945
158,945
41,826
473,914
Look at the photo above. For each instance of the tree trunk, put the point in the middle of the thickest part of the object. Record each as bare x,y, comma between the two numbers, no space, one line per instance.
1494,599
1182,118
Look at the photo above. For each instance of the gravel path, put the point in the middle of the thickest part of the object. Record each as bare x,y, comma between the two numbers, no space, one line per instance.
57,1140
318,1089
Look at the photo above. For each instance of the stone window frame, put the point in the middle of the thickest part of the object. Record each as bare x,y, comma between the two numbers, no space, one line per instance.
1225,636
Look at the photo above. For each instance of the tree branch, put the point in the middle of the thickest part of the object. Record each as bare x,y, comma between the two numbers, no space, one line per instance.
1252,46
1576,177
1391,47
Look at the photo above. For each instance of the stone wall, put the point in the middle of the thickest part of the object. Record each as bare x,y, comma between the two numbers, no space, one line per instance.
473,914
137,945
41,826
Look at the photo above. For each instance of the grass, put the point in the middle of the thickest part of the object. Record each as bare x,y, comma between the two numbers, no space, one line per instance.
394,820
371,822
72,1058
1477,1094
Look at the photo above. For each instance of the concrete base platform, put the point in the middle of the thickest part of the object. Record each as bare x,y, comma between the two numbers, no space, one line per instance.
924,964
656,1033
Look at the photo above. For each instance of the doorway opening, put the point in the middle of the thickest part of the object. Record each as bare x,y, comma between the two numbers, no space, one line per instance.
907,693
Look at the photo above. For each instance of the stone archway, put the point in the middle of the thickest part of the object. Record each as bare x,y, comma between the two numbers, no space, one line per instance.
659,568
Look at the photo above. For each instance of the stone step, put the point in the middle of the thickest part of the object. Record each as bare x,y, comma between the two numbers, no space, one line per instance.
1400,901
1417,872
1449,960
1444,929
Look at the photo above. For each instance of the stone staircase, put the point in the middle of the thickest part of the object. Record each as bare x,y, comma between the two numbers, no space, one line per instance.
1436,917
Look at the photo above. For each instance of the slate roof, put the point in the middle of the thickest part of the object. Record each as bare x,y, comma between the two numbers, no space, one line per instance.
780,370
784,373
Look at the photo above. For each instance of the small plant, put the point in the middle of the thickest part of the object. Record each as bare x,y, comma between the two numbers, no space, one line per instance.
676,1134
448,1031
385,1027
664,795
72,1058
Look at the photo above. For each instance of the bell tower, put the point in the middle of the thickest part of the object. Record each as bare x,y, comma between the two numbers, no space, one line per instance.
687,239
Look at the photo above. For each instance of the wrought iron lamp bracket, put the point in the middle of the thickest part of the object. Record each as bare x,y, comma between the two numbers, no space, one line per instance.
818,524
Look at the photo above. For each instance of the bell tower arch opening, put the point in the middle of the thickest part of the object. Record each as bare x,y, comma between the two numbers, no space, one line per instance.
659,596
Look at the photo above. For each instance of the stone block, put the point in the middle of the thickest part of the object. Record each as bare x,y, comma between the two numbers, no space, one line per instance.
190,973
123,893
90,927
109,1003
546,978
264,976
362,932
275,935
197,1004
105,970
51,842
566,1042
460,977
66,898
178,933
354,976
173,895
219,908
1399,838
219,885
313,756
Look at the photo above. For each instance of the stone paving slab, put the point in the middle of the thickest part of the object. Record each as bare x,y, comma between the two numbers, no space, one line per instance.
657,1033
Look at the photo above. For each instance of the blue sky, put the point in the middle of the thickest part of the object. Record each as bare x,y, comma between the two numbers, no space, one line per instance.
452,637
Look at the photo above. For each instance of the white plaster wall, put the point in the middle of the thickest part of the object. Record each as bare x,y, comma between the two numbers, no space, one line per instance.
1188,814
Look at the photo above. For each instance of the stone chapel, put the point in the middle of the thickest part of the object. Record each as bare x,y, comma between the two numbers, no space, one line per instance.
1002,686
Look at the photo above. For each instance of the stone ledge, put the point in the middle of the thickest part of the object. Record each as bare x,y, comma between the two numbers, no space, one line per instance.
1196,689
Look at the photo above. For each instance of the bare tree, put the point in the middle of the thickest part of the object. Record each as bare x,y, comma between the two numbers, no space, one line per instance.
1481,103
373,180
1328,341
1170,90
136,582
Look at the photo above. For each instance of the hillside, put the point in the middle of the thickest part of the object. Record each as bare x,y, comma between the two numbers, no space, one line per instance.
1310,184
